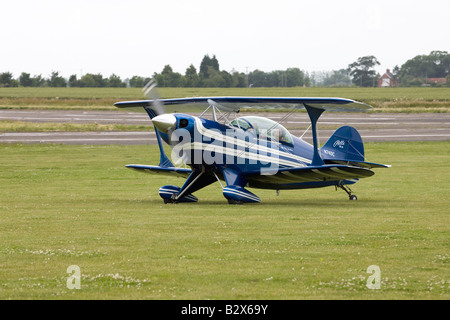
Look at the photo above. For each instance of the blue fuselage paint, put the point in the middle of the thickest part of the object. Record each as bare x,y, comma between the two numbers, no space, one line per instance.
223,148
209,143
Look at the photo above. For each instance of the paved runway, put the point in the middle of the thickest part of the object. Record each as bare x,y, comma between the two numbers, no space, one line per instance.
372,127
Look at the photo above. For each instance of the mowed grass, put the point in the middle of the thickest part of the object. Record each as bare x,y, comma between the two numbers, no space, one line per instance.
382,99
66,205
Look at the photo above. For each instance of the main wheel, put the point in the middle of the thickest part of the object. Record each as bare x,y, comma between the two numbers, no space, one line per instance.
353,197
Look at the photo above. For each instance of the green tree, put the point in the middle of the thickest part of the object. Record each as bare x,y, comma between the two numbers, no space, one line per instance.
25,79
90,80
362,72
294,77
217,79
38,81
258,78
191,77
73,81
56,80
227,79
291,77
114,81
138,82
100,82
239,79
213,80
417,70
169,78
87,81
208,64
6,80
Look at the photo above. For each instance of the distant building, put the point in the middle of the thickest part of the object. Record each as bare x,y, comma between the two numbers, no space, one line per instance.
437,80
387,80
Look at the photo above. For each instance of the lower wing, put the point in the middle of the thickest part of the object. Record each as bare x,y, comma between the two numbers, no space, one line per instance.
171,171
333,172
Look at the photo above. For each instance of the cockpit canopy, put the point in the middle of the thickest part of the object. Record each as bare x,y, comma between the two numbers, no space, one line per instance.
264,128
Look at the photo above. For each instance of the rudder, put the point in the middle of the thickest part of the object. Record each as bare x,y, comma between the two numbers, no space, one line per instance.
345,144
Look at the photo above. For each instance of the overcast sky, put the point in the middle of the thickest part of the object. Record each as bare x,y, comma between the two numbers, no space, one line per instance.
139,37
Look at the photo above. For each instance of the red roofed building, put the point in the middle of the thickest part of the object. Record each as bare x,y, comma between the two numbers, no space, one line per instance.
387,80
437,80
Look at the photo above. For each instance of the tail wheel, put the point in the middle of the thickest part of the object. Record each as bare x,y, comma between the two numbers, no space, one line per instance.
348,191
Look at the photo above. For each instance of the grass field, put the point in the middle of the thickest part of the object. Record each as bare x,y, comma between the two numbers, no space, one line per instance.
77,205
383,99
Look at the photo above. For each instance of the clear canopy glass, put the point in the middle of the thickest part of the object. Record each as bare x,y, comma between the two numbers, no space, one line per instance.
264,128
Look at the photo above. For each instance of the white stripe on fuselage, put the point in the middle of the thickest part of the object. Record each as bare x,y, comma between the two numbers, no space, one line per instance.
241,154
295,160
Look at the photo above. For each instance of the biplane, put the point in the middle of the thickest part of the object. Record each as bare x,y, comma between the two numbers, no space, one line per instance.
252,151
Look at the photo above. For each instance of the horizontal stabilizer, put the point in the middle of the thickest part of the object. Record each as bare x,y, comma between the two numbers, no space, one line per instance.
180,172
363,164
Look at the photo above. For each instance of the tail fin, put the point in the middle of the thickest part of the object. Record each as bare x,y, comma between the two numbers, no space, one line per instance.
344,145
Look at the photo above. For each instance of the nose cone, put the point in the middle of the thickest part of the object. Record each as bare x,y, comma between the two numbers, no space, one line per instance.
165,122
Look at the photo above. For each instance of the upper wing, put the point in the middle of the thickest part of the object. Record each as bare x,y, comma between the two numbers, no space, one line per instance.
236,103
311,174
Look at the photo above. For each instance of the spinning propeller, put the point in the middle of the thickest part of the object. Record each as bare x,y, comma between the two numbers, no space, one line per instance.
151,92
162,121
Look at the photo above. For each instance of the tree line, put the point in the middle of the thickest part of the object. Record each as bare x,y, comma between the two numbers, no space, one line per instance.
56,80
414,72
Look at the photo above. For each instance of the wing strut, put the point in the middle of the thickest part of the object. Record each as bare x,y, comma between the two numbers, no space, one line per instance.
314,115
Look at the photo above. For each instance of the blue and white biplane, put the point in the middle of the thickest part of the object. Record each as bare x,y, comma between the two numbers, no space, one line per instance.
252,151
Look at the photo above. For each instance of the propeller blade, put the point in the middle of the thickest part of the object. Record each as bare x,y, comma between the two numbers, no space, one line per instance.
151,92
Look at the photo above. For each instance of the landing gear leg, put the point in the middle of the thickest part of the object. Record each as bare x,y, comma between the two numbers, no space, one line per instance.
348,191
